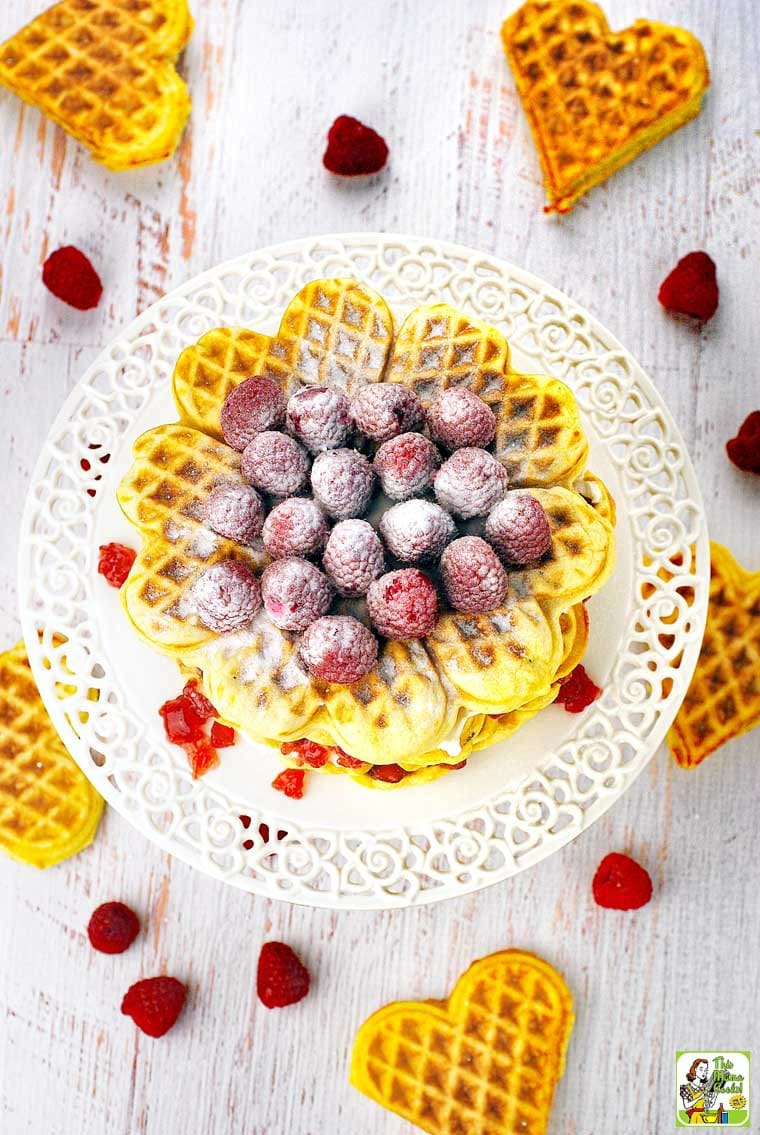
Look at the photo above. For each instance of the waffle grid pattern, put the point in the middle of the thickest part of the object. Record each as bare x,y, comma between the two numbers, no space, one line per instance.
209,370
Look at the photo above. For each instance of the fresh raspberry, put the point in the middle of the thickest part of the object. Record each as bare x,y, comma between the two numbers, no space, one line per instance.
202,755
744,449
338,648
388,774
472,575
416,530
519,529
70,276
691,288
281,978
381,411
470,483
353,149
342,480
115,563
197,700
222,736
295,593
403,604
577,691
290,782
319,416
253,407
235,511
295,527
306,752
406,465
154,1004
620,883
275,463
458,418
227,595
113,928
353,557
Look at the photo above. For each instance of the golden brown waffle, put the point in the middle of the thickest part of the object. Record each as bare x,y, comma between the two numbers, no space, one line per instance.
485,1062
105,71
209,370
723,700
48,808
594,98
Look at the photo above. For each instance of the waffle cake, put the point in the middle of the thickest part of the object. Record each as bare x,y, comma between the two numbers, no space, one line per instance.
595,98
472,677
104,70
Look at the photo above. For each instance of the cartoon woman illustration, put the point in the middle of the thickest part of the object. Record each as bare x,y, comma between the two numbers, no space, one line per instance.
697,1094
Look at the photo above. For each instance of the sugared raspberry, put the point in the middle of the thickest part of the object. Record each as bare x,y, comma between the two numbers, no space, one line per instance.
295,527
154,1004
519,529
115,563
406,465
227,596
459,418
353,149
338,648
319,417
470,483
295,593
353,557
403,604
112,928
281,977
275,463
70,276
381,411
342,480
416,530
254,406
473,576
235,511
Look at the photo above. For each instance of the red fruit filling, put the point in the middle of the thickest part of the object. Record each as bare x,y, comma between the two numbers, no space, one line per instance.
577,691
290,782
203,756
222,736
200,704
181,722
115,563
388,774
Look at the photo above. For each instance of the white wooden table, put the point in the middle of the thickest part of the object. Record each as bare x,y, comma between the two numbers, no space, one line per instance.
267,80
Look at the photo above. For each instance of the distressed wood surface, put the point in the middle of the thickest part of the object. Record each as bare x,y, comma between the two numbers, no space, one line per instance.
267,80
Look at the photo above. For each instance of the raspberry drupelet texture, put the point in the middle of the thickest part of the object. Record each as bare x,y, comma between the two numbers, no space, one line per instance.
281,977
254,406
416,530
70,276
470,483
692,287
342,480
227,595
458,418
381,411
353,149
235,511
113,928
338,648
406,465
154,1004
473,576
519,529
295,593
275,464
353,557
295,527
319,417
403,604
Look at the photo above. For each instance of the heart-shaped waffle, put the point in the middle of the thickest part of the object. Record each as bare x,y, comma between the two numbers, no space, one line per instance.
595,98
105,71
484,1062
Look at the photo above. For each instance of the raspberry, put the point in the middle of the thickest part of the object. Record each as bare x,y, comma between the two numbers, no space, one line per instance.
227,596
388,774
406,465
519,529
254,406
620,883
295,593
307,752
577,691
275,463
70,276
416,530
319,417
744,449
154,1004
115,563
338,648
472,576
235,511
403,604
290,783
459,418
353,557
381,411
202,756
113,928
354,149
691,288
295,527
198,703
281,978
342,480
222,736
471,483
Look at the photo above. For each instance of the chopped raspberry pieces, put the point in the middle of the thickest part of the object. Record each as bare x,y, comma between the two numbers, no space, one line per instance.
353,149
290,782
312,754
345,761
620,883
70,276
388,774
222,736
458,765
577,691
202,707
281,978
744,449
155,1004
115,563
181,722
203,756
113,928
691,288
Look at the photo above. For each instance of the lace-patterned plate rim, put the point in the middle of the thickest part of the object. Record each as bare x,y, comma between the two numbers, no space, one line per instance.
463,850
